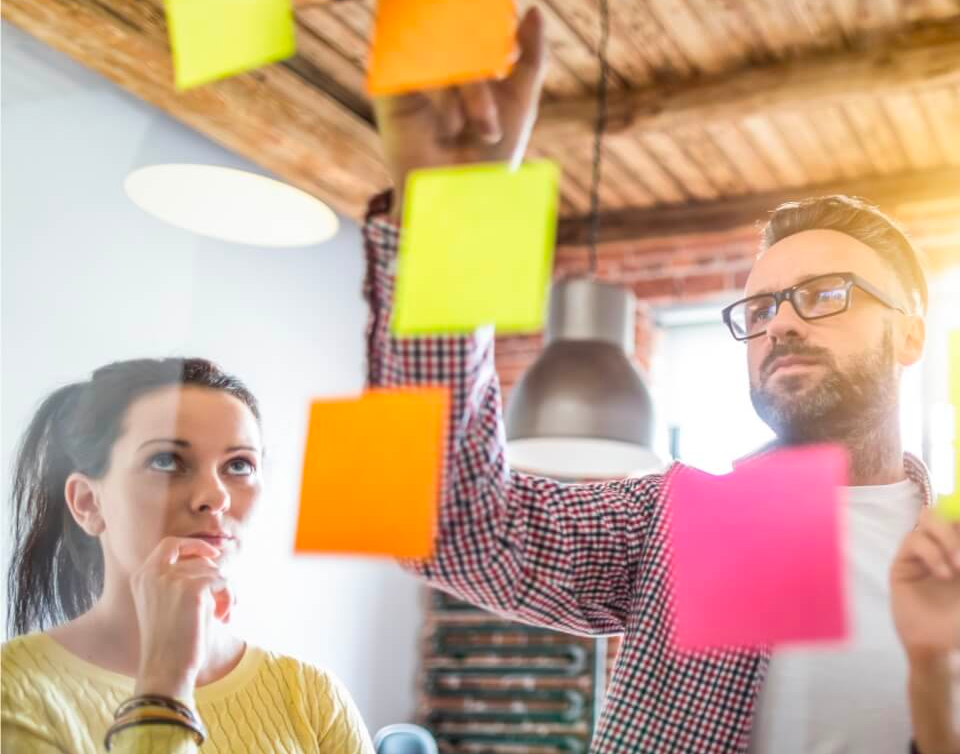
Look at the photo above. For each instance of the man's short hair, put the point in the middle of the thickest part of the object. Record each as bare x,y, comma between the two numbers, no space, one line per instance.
861,220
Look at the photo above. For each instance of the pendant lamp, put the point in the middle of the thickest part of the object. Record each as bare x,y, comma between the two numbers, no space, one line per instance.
582,411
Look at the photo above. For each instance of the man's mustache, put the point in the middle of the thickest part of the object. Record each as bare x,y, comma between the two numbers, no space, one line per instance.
795,349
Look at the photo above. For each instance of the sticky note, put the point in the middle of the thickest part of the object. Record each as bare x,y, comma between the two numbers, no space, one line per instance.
758,556
476,248
427,45
212,39
949,505
372,473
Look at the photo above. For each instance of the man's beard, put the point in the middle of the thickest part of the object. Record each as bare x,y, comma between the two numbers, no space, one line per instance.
835,406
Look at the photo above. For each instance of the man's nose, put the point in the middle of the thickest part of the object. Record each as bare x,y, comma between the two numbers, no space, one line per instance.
786,324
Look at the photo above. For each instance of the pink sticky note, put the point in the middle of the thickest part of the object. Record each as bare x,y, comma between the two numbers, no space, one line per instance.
758,554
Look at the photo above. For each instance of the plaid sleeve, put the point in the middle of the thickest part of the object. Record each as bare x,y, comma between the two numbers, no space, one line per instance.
561,556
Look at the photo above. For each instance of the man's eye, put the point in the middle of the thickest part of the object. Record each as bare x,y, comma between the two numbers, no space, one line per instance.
760,314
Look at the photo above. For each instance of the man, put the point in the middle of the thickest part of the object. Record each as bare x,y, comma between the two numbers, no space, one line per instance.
833,310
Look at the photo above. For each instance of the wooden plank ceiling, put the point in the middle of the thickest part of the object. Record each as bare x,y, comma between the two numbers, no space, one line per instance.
713,101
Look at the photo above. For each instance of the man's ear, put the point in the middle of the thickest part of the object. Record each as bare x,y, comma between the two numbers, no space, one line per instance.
913,337
84,503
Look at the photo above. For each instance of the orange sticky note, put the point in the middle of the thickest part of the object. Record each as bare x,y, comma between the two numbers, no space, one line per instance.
372,473
427,45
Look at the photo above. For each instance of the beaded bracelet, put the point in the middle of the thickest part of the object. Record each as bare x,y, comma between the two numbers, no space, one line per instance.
155,716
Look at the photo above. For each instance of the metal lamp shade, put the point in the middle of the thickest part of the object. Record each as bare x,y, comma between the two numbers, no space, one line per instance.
582,411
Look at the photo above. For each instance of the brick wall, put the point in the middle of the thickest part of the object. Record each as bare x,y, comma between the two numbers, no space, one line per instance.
682,269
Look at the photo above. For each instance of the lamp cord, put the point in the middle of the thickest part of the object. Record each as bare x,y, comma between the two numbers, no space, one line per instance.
600,127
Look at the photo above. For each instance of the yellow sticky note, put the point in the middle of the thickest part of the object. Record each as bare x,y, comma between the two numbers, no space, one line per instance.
476,248
420,44
372,473
212,39
950,504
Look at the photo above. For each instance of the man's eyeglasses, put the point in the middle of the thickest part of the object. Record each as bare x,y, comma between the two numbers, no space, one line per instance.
816,298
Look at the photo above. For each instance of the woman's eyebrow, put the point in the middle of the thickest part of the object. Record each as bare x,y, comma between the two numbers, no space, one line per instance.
176,441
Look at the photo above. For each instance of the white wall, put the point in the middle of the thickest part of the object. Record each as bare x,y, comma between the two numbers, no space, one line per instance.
87,278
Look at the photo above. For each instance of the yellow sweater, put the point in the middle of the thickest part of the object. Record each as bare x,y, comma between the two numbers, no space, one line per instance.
53,702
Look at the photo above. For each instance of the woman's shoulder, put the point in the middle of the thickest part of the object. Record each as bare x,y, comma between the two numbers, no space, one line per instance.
24,657
308,676
324,700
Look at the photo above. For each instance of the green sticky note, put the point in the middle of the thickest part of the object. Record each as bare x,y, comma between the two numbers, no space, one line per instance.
212,39
950,504
476,248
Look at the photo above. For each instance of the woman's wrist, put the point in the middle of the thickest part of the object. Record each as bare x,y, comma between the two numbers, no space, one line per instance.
176,686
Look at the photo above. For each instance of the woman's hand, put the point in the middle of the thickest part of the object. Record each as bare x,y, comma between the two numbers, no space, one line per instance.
925,588
176,592
482,121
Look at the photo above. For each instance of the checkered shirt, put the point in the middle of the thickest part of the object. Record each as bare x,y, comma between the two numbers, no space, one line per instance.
591,559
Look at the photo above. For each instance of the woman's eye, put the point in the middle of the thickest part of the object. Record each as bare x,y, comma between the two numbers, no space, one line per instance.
241,467
164,462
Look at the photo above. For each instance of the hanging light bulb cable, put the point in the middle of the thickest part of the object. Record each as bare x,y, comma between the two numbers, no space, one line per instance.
600,127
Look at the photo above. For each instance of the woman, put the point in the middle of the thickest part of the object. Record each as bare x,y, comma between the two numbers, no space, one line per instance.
131,496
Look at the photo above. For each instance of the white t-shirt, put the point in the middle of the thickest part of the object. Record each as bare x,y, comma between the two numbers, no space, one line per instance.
849,698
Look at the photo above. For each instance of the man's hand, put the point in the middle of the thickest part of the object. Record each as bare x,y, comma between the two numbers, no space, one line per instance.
484,121
925,587
925,598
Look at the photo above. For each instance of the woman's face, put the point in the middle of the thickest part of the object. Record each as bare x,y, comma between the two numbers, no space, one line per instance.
187,464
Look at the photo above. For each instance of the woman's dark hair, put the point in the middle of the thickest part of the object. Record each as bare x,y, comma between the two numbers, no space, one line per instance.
56,570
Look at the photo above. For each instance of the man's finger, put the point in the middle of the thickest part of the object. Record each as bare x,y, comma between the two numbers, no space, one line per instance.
481,109
531,65
928,552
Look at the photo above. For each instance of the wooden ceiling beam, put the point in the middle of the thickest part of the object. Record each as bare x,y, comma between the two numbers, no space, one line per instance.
934,194
272,116
923,57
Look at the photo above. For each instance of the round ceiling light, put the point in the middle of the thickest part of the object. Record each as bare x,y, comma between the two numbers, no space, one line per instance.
231,205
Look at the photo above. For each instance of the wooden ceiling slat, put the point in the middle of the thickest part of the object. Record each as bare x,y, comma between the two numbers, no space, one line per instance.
661,184
942,108
923,58
356,14
329,27
913,130
840,141
577,159
573,68
668,154
756,172
918,10
572,191
713,162
582,17
707,53
775,25
764,135
820,22
633,190
727,21
805,143
876,134
661,53
329,59
879,14
933,191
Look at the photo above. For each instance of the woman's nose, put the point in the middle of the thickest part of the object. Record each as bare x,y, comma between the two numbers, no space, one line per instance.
212,497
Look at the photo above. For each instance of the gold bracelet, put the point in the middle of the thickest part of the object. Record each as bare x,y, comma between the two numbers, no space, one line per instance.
155,716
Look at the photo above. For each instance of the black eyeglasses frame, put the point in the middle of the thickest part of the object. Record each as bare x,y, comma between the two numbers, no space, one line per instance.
850,278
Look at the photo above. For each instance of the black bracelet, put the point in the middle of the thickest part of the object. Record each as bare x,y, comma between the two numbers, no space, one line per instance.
155,700
198,734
